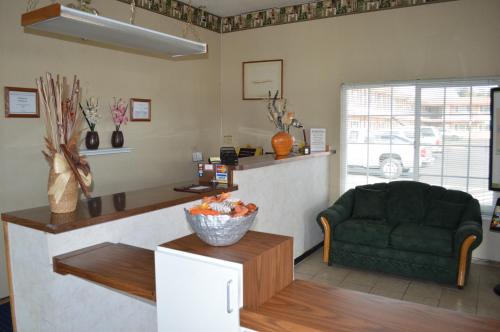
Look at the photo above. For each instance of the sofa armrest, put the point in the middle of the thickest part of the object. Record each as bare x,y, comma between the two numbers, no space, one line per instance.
466,229
340,211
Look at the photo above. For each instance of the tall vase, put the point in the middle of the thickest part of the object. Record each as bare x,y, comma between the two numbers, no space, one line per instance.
282,144
69,199
117,139
92,140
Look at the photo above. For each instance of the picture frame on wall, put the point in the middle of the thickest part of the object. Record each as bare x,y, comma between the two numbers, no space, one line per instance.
21,102
494,181
140,109
260,77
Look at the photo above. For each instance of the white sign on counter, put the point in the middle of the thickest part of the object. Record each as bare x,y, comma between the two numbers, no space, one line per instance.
317,139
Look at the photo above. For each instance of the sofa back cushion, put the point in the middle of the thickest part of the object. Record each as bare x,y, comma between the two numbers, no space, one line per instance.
406,202
369,204
444,214
413,202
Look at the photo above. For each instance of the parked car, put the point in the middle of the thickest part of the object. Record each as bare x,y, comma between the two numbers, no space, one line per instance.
429,136
454,136
386,159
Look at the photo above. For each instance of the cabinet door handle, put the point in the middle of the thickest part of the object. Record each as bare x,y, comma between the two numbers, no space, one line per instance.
228,297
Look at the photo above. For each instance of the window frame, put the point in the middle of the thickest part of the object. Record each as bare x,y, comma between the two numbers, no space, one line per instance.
419,85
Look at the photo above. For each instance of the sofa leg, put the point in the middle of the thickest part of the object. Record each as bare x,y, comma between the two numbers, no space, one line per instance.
326,242
462,263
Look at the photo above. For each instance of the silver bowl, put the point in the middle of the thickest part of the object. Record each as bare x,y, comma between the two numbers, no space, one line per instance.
221,230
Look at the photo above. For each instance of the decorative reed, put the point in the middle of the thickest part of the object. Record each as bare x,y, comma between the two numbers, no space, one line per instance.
63,125
279,115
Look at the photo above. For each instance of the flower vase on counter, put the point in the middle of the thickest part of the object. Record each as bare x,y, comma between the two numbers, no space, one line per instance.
282,143
91,114
118,113
63,198
68,170
283,120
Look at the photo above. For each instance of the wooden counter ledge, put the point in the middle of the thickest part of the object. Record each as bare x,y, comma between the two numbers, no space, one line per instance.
107,208
119,266
269,160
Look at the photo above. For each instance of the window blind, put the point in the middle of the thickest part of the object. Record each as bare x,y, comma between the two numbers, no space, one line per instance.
437,132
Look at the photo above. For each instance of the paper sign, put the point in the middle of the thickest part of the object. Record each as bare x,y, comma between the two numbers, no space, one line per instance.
318,139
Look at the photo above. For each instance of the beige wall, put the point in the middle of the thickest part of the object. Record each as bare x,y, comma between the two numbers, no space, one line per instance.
447,40
185,107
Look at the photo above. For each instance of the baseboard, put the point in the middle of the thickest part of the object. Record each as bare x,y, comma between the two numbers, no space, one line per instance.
307,253
485,262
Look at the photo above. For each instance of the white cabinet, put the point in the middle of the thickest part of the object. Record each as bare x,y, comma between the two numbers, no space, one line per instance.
197,293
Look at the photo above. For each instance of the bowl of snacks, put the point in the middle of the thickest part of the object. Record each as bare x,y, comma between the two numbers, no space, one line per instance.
220,220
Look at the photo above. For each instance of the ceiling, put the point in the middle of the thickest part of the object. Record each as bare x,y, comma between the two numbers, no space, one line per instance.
226,8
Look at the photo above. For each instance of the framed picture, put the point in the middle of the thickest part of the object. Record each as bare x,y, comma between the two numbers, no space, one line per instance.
21,103
494,183
260,77
140,109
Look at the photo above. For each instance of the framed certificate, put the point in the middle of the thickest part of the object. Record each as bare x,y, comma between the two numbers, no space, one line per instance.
494,182
21,103
140,109
260,77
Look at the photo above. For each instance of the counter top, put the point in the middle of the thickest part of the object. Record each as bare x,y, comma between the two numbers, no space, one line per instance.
307,306
269,160
107,208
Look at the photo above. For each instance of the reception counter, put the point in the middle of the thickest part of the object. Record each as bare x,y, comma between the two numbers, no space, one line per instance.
289,193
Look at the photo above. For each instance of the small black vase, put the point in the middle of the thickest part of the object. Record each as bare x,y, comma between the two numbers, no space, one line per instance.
117,139
92,140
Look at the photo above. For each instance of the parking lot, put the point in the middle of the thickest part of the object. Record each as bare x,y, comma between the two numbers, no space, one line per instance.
454,163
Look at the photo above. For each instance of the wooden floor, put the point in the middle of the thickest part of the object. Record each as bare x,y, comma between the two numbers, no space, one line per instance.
307,306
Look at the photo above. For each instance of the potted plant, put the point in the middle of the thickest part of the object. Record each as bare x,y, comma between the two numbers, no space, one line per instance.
68,170
119,115
283,120
91,114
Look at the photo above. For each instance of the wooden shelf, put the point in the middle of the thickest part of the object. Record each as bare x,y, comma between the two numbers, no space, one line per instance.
66,21
100,152
119,266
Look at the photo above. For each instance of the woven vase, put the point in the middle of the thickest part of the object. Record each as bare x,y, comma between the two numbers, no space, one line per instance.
69,198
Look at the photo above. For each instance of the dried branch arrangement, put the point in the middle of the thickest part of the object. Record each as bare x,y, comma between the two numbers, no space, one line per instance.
63,129
278,114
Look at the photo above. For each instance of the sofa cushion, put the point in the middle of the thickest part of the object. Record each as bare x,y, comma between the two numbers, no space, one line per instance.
444,214
406,202
369,203
364,231
422,238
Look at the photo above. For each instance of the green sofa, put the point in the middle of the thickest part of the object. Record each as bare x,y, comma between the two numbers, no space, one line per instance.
404,227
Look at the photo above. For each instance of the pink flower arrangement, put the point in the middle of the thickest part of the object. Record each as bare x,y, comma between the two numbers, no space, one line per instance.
119,112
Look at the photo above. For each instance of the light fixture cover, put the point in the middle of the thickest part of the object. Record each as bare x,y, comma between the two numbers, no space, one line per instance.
62,20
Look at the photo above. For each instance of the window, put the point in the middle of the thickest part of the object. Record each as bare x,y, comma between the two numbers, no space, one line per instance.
427,131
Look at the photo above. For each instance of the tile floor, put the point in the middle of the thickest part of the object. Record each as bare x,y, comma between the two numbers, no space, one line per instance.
476,298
